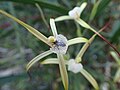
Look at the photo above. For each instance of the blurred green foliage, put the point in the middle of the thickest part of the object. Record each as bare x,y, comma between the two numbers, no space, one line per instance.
17,46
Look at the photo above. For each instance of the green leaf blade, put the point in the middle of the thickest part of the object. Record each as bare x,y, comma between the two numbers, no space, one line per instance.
45,4
94,10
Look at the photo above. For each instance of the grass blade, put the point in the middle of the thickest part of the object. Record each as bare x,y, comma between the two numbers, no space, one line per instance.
44,4
94,10
103,4
42,15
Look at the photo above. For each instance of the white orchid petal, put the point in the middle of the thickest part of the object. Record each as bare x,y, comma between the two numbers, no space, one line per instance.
76,11
74,67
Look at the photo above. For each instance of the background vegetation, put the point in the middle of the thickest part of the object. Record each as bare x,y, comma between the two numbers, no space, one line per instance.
18,46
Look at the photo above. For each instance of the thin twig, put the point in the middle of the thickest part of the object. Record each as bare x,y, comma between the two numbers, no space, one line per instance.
42,15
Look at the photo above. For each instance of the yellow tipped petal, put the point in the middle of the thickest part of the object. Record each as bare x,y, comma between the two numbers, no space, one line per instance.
51,39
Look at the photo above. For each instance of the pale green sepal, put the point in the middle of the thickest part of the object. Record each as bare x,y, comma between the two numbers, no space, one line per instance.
63,71
82,23
52,61
116,57
90,79
53,27
85,25
77,40
62,18
37,58
117,76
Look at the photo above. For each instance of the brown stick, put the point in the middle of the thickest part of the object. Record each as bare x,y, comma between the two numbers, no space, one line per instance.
106,39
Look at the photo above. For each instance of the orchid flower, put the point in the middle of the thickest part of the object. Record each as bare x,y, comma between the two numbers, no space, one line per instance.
58,45
75,14
75,65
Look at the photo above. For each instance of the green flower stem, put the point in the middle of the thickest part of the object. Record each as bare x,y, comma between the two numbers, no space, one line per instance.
86,45
84,48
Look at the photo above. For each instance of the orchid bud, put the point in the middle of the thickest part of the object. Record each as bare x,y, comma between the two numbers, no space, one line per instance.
51,39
